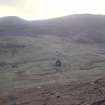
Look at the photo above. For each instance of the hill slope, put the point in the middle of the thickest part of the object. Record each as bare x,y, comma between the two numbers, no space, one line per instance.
27,64
81,28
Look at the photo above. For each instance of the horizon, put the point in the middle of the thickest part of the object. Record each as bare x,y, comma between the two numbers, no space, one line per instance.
48,9
52,17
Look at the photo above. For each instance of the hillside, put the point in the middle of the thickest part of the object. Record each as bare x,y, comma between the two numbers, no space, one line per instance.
28,53
81,28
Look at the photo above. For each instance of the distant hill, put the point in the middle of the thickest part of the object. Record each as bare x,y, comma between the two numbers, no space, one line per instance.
84,28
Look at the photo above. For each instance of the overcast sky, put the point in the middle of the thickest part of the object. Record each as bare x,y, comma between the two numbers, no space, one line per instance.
44,9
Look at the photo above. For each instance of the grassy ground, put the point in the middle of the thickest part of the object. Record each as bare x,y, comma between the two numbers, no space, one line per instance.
30,60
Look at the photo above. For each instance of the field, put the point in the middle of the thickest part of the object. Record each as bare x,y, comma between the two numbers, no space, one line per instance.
28,72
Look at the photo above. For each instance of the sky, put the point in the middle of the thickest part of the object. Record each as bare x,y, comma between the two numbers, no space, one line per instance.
45,9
